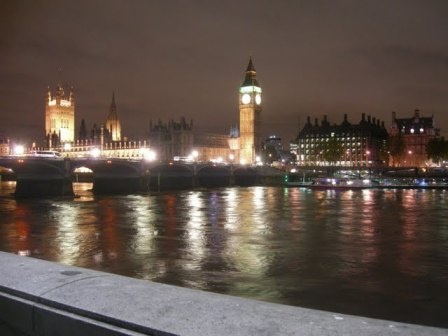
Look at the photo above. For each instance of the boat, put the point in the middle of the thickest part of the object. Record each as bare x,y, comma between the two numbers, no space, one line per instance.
371,183
341,183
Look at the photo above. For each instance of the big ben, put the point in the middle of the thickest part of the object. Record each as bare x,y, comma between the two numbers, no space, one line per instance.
250,114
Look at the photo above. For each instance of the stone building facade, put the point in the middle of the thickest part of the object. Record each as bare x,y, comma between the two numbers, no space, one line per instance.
172,139
4,145
250,116
416,132
361,144
59,117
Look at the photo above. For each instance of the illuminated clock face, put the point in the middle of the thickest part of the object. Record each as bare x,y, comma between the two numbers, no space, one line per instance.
258,99
245,99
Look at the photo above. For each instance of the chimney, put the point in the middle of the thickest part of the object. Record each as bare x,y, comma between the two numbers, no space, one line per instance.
369,120
363,117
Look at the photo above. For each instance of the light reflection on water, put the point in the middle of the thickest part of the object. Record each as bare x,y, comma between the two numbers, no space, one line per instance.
380,253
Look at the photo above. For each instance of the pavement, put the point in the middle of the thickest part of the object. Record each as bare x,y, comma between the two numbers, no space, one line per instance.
49,295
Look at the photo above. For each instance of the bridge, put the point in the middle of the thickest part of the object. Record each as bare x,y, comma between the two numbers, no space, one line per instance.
53,176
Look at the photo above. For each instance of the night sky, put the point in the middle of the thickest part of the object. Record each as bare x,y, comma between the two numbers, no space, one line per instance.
173,59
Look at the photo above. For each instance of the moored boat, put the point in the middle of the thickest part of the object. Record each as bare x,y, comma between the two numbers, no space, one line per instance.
341,183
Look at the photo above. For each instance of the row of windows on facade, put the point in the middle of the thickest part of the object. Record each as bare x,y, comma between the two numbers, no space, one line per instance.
352,145
64,123
309,140
412,131
330,135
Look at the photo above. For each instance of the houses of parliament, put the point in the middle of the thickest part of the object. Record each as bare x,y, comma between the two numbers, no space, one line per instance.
169,140
365,143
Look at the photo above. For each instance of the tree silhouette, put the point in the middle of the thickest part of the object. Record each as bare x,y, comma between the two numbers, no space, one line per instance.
437,150
397,147
332,151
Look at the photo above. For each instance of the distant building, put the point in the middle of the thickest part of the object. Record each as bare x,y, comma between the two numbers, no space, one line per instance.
110,131
213,147
168,140
234,145
104,140
362,144
416,132
113,124
274,153
4,145
172,139
59,117
250,116
241,145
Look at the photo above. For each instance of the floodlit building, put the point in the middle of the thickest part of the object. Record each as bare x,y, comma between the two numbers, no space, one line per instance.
169,140
105,140
250,116
346,144
113,124
59,117
416,132
4,145
172,139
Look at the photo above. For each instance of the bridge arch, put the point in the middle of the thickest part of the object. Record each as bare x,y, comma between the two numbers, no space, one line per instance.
214,176
114,176
37,177
245,176
172,176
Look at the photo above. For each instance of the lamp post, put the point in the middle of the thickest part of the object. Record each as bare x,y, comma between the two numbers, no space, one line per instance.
348,157
367,157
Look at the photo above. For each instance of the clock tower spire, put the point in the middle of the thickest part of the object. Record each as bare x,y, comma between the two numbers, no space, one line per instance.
250,113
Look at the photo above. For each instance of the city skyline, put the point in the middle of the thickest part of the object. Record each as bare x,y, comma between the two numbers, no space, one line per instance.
172,60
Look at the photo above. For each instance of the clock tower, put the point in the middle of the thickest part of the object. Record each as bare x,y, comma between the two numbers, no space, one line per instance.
250,113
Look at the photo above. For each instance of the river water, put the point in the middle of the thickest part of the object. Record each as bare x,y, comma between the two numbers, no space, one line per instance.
377,253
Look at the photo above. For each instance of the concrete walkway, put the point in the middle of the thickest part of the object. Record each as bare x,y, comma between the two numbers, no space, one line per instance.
44,298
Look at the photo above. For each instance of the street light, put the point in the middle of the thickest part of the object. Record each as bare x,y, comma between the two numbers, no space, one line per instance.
410,157
348,157
95,152
19,150
149,155
195,154
367,157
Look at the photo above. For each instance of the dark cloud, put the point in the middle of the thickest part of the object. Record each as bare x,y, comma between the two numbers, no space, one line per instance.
168,59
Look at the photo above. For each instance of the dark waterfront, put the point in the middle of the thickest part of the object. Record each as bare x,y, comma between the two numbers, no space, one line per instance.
377,253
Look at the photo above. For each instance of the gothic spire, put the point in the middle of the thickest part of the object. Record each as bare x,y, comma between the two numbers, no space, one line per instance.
250,66
250,79
113,109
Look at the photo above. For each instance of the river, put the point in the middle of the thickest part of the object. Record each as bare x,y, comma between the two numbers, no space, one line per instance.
377,253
